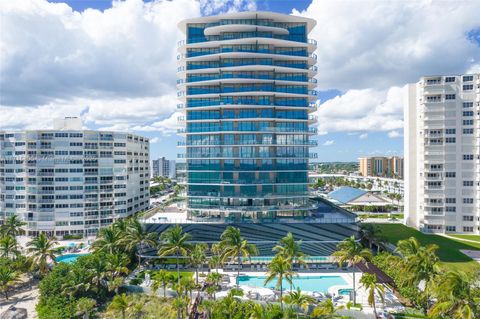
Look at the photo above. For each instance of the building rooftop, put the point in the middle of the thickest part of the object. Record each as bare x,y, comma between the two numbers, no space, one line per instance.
346,194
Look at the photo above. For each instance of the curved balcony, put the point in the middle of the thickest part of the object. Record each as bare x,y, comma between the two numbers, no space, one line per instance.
249,91
258,195
218,29
259,144
310,131
275,41
310,72
217,80
310,59
220,182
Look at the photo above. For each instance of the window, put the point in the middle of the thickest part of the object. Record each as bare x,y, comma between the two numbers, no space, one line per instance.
468,200
467,87
449,96
451,209
467,113
467,104
450,140
467,183
450,228
468,218
468,157
468,131
450,200
450,131
449,79
467,78
450,174
468,229
467,122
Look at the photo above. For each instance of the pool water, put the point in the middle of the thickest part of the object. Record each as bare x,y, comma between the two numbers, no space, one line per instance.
305,283
344,292
68,258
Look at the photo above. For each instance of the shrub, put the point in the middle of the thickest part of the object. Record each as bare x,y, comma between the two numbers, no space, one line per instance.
72,236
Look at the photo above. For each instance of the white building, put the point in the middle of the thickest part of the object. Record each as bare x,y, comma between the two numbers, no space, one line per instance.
442,165
163,167
72,181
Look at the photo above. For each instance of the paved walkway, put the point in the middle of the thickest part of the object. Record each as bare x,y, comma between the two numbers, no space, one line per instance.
26,298
461,239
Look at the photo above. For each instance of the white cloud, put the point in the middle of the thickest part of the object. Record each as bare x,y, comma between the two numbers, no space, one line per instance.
116,68
154,140
372,44
369,49
213,7
363,110
394,134
328,143
363,136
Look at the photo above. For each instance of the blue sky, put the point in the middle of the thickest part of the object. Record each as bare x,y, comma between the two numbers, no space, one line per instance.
114,65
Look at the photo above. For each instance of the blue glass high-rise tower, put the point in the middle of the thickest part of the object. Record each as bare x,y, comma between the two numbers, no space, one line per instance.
246,88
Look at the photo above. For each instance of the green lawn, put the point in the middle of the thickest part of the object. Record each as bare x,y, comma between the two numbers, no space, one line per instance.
449,249
469,237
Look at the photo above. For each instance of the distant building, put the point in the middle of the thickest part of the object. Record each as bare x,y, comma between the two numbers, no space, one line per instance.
68,180
163,167
350,196
381,166
442,127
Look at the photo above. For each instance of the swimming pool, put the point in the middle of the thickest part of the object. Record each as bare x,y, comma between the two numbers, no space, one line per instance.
305,283
68,258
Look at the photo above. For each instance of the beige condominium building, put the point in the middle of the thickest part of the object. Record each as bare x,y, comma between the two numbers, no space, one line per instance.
442,165
381,166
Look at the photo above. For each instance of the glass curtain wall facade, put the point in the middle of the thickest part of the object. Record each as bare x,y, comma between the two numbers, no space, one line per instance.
246,89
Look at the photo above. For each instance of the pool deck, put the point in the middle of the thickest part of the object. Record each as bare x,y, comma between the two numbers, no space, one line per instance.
391,302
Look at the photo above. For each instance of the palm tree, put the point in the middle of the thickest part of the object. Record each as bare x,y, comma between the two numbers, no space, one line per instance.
456,297
137,237
351,252
179,303
189,285
8,247
174,242
211,291
85,307
230,301
215,262
161,278
8,277
326,309
234,246
108,240
280,268
420,263
205,307
12,226
369,282
42,250
98,273
290,249
299,300
371,234
116,265
198,257
120,303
